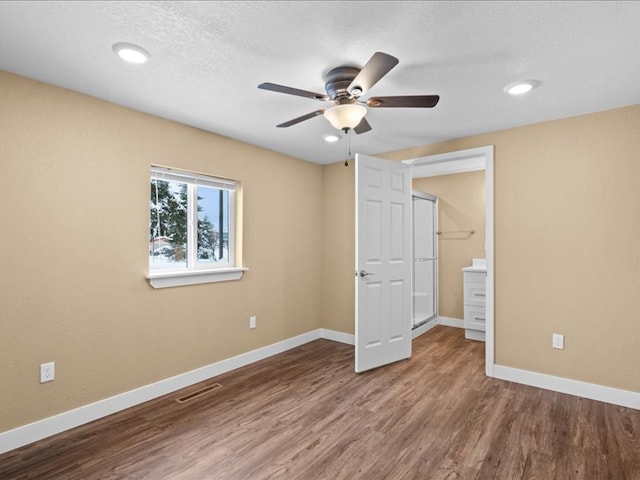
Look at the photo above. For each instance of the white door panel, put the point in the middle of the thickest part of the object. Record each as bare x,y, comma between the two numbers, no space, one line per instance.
383,262
373,330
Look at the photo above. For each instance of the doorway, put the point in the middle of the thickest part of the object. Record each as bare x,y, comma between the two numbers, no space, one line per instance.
466,161
383,334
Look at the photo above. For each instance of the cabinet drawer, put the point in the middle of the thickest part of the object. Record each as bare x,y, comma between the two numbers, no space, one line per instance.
475,294
474,318
474,277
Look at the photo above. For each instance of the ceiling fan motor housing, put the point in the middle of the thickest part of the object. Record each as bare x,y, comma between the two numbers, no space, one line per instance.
338,80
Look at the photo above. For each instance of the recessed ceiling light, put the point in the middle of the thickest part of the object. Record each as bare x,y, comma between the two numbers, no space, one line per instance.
331,138
131,53
519,88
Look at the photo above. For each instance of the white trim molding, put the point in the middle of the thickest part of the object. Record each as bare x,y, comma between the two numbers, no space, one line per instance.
615,396
489,349
194,277
335,336
461,161
26,434
450,322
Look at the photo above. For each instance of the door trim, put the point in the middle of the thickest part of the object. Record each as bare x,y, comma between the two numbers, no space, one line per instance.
465,161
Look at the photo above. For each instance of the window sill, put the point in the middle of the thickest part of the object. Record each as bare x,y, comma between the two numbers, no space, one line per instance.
179,279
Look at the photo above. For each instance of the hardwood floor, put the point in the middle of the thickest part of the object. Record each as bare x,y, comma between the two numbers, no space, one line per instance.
305,414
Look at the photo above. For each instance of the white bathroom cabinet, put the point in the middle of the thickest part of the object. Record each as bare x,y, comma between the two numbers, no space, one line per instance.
474,302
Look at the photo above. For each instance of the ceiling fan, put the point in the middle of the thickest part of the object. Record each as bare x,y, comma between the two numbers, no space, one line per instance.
344,87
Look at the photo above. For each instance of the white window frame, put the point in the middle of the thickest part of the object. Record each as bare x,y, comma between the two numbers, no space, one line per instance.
195,272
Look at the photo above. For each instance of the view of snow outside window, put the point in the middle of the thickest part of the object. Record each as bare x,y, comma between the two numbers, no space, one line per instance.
170,238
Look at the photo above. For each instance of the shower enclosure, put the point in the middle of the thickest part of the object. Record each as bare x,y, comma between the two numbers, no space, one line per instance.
425,258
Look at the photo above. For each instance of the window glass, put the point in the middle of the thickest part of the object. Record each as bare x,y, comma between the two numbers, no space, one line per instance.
168,243
191,221
213,225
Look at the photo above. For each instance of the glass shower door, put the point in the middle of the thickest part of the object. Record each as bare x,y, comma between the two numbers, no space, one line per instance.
425,258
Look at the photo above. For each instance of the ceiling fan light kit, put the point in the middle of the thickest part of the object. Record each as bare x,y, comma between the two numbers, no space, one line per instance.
344,86
345,116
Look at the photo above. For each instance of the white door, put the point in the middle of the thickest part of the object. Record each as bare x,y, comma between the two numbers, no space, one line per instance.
384,260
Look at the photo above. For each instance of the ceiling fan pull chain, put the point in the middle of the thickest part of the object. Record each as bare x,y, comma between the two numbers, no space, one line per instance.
346,133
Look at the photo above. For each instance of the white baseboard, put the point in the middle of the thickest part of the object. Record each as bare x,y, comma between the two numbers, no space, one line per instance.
424,328
450,322
335,336
616,396
33,432
477,335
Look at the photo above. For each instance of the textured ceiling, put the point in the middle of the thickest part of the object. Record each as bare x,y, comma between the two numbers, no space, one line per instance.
209,57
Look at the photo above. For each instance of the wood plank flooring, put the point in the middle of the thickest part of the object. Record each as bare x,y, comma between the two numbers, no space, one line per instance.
305,414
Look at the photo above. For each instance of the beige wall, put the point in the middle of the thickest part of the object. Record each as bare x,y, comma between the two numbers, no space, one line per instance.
74,215
461,202
567,256
74,195
338,294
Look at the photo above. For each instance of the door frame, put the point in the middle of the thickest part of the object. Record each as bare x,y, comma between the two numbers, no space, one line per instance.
469,160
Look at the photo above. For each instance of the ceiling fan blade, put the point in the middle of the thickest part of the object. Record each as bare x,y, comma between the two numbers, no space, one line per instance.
377,67
274,87
301,119
362,127
416,101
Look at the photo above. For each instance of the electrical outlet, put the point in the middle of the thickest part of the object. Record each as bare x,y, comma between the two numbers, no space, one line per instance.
252,322
558,341
47,372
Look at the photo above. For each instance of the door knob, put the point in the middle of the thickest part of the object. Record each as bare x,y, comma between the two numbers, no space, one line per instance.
364,273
